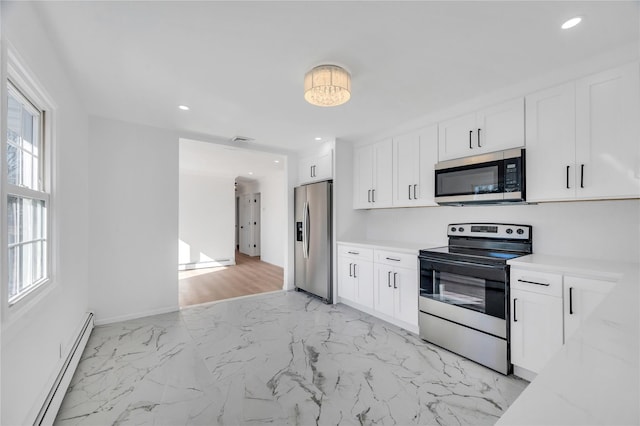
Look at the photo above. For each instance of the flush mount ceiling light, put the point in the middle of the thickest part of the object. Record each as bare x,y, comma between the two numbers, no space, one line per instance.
183,107
571,23
327,86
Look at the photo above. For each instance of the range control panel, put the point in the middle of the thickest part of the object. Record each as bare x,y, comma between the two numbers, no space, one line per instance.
490,230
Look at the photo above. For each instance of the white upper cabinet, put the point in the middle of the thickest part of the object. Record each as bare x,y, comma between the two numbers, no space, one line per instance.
607,134
583,138
551,134
491,129
414,157
316,168
372,175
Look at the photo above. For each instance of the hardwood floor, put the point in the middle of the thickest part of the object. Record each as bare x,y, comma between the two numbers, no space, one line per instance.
249,276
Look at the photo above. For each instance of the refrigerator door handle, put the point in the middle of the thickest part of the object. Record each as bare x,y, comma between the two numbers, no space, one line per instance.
304,230
307,217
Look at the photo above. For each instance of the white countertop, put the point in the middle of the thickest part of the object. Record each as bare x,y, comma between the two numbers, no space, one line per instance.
412,248
594,379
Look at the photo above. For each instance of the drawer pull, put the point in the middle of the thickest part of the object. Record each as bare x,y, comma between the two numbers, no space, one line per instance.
393,258
350,266
533,282
514,310
395,275
389,279
353,252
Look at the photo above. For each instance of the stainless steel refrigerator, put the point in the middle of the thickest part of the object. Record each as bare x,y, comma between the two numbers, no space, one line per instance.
314,239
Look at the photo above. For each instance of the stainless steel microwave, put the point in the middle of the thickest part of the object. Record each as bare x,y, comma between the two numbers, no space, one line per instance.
497,177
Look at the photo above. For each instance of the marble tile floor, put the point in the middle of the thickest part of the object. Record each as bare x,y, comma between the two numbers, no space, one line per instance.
278,358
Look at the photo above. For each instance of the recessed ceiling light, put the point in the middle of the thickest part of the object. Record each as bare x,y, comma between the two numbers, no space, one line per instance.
250,173
276,161
571,23
318,139
183,107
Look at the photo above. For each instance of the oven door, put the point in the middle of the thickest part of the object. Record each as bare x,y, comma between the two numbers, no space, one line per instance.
474,295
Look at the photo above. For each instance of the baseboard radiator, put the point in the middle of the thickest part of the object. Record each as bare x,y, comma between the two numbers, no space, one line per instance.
51,405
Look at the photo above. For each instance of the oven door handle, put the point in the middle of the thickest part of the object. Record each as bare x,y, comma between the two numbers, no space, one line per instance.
437,262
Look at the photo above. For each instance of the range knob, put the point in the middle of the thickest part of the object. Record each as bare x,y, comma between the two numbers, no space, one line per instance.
461,229
509,231
453,229
520,231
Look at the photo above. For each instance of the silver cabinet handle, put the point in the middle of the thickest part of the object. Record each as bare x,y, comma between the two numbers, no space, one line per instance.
533,282
395,275
368,196
373,195
389,279
415,186
409,191
354,270
350,265
393,258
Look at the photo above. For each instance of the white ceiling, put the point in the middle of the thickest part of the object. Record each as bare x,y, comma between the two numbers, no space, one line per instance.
209,159
240,65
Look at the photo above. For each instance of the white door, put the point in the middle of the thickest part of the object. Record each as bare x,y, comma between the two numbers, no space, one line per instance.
346,283
383,174
406,162
428,153
536,328
406,295
456,137
608,133
363,177
551,137
383,290
500,127
364,283
581,297
255,224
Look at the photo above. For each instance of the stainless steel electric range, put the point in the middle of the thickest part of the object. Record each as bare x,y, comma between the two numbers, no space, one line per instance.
464,290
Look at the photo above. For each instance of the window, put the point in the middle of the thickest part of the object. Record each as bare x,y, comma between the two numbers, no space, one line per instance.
28,198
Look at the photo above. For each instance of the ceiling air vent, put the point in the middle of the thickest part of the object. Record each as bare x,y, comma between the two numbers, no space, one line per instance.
241,139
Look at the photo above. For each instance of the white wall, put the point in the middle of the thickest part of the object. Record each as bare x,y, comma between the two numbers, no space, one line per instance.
207,219
607,230
273,219
133,210
31,339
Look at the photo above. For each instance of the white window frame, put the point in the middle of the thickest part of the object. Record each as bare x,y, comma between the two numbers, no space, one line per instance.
15,72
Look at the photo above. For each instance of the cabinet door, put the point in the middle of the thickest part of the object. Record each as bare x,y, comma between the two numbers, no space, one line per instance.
363,177
363,278
500,127
305,170
406,163
536,328
607,134
581,297
428,158
405,283
551,138
456,137
346,283
383,298
383,174
323,167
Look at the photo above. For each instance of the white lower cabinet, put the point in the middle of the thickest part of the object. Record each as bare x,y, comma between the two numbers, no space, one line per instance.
355,275
546,309
581,296
380,282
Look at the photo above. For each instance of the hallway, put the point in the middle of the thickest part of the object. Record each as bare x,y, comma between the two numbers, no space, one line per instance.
249,276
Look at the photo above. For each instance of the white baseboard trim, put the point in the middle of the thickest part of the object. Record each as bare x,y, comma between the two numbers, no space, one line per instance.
413,328
111,320
209,264
53,400
523,373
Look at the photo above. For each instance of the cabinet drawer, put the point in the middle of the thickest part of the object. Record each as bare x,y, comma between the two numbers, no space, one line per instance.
355,252
536,282
400,260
